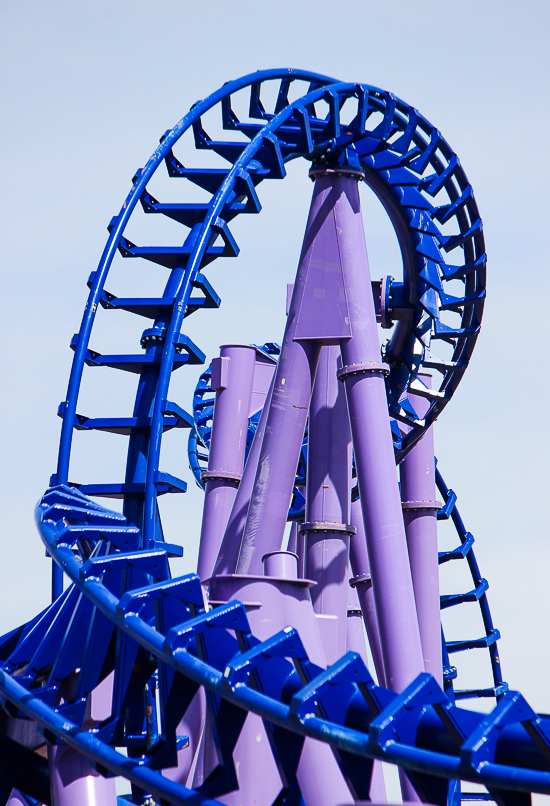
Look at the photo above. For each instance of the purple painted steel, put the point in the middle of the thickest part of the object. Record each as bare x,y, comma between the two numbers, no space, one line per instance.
286,422
339,226
328,496
232,379
282,442
74,779
231,544
318,314
17,799
293,539
355,633
362,582
273,604
417,472
329,445
281,564
355,642
192,726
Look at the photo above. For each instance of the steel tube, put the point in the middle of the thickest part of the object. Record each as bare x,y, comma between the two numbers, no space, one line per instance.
74,779
417,473
362,373
328,496
232,377
280,450
362,582
228,555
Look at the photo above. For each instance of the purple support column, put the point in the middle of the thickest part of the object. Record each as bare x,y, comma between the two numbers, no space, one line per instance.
74,779
356,643
417,472
318,314
339,224
327,529
191,725
232,378
293,538
273,603
231,544
362,582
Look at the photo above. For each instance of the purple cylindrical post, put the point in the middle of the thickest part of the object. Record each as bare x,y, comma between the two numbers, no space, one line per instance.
74,779
228,555
327,531
362,582
281,564
273,604
356,643
232,379
339,214
417,473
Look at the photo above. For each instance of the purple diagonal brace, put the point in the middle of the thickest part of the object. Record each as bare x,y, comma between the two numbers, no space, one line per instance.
417,473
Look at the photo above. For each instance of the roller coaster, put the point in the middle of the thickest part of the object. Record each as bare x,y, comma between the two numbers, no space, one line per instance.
308,647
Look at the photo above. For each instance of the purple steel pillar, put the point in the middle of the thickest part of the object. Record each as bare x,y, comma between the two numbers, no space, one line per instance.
362,582
232,378
327,529
285,600
417,472
340,223
356,643
231,544
74,779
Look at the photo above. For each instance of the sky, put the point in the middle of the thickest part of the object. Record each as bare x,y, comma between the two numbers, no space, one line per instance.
86,91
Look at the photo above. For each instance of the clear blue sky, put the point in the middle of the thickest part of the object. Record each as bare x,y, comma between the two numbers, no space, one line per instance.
88,88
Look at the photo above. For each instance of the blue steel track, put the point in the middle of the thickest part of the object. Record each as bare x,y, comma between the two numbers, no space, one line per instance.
123,602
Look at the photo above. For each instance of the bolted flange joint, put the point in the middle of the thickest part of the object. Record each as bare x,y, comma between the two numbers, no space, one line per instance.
154,335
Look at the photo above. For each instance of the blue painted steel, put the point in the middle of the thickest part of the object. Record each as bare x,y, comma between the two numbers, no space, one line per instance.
479,593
